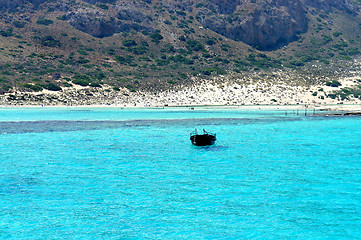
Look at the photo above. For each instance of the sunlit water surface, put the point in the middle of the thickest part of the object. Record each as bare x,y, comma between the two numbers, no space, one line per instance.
108,173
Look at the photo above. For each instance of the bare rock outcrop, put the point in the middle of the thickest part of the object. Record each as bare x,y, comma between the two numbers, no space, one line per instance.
100,1
266,26
92,22
10,4
329,5
100,24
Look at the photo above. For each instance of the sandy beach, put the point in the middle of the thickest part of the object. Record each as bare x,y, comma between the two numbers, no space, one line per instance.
218,92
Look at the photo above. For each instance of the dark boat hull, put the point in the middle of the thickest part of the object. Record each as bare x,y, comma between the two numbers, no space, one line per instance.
203,140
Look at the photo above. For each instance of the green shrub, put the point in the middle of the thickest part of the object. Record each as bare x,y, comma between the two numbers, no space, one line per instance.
211,42
353,51
182,25
98,74
156,37
145,33
161,62
124,60
81,82
333,83
81,79
194,45
111,52
82,60
52,87
208,71
7,33
6,88
83,52
295,63
131,88
206,55
340,45
3,80
336,34
169,49
93,84
43,21
62,17
225,47
180,12
171,82
102,6
32,55
325,61
129,43
344,57
49,41
120,59
182,38
346,92
326,39
138,50
308,58
35,80
33,87
181,59
19,24
6,72
66,84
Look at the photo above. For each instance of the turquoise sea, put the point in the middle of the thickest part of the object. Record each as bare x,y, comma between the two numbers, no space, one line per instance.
111,173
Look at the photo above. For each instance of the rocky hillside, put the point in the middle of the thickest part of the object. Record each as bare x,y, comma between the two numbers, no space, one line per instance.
162,44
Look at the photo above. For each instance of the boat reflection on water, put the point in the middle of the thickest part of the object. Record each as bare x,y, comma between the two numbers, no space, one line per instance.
203,139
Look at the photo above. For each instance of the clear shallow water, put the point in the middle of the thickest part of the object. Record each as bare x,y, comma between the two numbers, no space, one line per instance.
133,174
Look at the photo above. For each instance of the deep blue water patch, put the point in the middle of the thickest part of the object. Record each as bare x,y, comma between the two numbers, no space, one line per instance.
10,127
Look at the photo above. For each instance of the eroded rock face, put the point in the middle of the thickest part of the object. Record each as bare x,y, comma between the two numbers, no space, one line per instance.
266,26
100,24
14,3
100,1
226,6
329,5
92,22
132,14
9,3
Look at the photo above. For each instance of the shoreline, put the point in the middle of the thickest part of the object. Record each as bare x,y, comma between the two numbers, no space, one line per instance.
261,107
219,93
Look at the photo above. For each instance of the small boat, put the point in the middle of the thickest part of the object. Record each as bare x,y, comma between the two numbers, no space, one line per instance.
204,139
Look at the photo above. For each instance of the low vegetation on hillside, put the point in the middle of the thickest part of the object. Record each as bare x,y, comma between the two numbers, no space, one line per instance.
158,48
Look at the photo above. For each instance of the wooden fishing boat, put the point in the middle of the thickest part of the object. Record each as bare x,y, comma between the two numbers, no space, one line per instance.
203,139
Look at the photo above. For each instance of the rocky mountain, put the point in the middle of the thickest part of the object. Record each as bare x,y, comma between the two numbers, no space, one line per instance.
12,4
266,25
149,44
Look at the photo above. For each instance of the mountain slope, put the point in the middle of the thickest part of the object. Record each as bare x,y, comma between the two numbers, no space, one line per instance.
154,45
